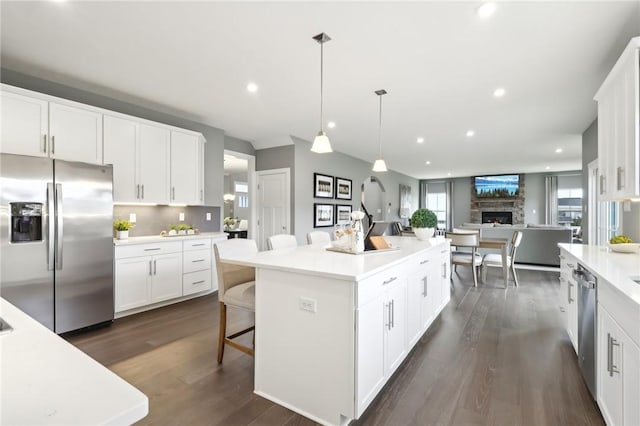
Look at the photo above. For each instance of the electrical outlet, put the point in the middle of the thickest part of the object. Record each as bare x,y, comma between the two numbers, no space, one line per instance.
307,304
181,217
132,217
208,216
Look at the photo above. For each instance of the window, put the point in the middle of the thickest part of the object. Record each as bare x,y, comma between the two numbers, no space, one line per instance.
242,198
437,202
241,187
570,207
609,221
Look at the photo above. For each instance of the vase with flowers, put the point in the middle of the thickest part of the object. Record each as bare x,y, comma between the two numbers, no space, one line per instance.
229,223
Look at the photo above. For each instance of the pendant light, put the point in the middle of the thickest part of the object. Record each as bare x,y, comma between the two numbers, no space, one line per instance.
321,142
379,165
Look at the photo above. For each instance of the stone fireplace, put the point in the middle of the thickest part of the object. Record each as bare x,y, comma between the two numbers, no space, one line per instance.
503,217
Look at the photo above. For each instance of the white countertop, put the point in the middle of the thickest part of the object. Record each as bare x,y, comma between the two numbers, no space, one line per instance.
615,268
159,238
317,260
45,381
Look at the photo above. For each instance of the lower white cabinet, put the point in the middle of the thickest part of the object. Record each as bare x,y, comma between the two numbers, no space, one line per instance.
395,325
569,296
618,372
166,280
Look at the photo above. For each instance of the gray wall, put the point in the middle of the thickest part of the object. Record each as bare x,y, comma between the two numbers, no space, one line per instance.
151,220
214,148
589,154
344,166
238,145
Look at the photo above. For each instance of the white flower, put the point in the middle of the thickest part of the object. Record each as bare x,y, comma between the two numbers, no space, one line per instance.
357,215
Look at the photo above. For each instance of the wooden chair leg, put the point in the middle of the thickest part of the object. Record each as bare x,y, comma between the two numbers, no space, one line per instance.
222,332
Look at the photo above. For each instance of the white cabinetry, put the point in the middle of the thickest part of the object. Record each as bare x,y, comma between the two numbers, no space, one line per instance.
32,124
196,266
146,274
619,127
569,296
618,358
121,150
187,164
154,164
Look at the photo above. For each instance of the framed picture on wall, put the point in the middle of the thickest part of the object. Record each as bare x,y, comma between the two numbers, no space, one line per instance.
322,215
322,186
343,189
343,215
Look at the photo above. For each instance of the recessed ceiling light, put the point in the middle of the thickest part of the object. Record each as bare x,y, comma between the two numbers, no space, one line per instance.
331,124
420,140
448,174
470,133
486,10
252,87
427,162
547,168
499,92
558,150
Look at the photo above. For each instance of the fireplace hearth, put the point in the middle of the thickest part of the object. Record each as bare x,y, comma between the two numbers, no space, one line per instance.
505,218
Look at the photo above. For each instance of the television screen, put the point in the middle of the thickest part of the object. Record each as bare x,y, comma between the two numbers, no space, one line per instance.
502,186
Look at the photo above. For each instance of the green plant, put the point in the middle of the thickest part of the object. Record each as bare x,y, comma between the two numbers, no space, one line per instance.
122,225
229,221
182,227
424,218
189,227
173,227
576,222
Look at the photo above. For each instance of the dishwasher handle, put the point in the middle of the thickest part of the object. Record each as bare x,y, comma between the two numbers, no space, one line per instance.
591,285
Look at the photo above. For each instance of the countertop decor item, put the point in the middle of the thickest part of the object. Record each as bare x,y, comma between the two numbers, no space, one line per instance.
624,247
423,223
122,227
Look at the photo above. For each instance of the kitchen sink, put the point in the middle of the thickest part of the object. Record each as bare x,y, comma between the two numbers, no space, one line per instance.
5,327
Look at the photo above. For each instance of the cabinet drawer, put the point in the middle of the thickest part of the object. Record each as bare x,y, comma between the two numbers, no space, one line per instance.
623,309
148,249
198,244
195,282
196,260
372,287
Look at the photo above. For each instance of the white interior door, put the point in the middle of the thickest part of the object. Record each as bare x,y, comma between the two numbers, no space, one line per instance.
273,204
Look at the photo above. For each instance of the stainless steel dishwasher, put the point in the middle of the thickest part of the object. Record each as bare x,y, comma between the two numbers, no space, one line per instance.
587,325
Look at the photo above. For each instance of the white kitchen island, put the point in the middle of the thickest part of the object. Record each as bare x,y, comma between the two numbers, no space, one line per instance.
46,381
331,328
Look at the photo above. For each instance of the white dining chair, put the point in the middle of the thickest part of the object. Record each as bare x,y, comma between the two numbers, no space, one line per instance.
495,259
318,237
281,241
243,225
469,240
236,288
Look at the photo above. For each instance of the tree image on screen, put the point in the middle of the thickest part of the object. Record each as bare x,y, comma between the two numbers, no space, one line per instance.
504,186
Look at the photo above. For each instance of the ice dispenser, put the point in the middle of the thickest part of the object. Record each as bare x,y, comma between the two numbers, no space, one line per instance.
26,222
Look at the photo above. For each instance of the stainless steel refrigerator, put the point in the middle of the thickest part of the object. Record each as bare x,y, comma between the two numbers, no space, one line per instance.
56,240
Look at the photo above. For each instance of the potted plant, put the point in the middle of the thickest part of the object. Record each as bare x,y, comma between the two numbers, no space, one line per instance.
423,223
182,229
122,227
229,223
190,230
173,229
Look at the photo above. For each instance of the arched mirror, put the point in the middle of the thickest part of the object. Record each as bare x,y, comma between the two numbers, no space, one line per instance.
374,199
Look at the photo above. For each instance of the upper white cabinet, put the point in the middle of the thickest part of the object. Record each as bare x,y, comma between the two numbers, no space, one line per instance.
121,150
154,163
36,126
619,127
75,133
25,125
187,164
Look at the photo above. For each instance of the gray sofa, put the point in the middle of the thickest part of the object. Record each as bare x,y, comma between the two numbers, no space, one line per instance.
539,244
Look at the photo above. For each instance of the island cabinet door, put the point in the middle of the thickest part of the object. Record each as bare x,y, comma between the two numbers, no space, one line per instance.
370,351
395,326
417,305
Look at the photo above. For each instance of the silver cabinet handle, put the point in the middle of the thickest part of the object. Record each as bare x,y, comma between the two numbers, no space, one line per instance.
53,144
44,137
611,367
59,226
444,270
154,267
424,286
569,289
602,183
390,280
424,261
138,191
393,314
197,260
143,191
201,194
150,268
198,245
51,238
388,324
197,282
443,251
152,249
173,193
571,265
620,178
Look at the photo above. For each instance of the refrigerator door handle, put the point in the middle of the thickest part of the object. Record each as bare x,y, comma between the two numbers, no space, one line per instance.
59,226
51,234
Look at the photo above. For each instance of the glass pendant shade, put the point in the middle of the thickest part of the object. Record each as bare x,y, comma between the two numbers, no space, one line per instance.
321,144
379,166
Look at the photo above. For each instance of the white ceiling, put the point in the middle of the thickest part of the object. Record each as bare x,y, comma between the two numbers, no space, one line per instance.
438,61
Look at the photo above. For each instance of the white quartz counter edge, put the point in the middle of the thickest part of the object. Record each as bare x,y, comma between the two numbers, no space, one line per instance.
316,260
158,238
46,380
615,268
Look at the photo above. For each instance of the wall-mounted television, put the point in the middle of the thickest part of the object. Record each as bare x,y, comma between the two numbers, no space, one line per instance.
499,186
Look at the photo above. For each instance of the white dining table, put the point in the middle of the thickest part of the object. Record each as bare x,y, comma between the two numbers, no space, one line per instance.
501,244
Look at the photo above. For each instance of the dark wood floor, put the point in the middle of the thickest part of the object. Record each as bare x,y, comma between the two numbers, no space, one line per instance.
495,356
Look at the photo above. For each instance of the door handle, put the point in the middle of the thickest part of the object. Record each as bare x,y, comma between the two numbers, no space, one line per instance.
44,137
197,260
610,365
51,238
388,324
393,314
201,194
602,183
424,287
150,268
59,227
143,191
620,178
424,261
390,280
138,191
53,144
569,289
197,282
444,270
154,267
173,193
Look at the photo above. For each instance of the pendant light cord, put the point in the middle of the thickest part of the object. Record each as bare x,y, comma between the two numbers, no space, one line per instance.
321,81
380,128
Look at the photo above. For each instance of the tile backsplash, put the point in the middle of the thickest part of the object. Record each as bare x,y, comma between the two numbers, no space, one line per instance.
151,220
